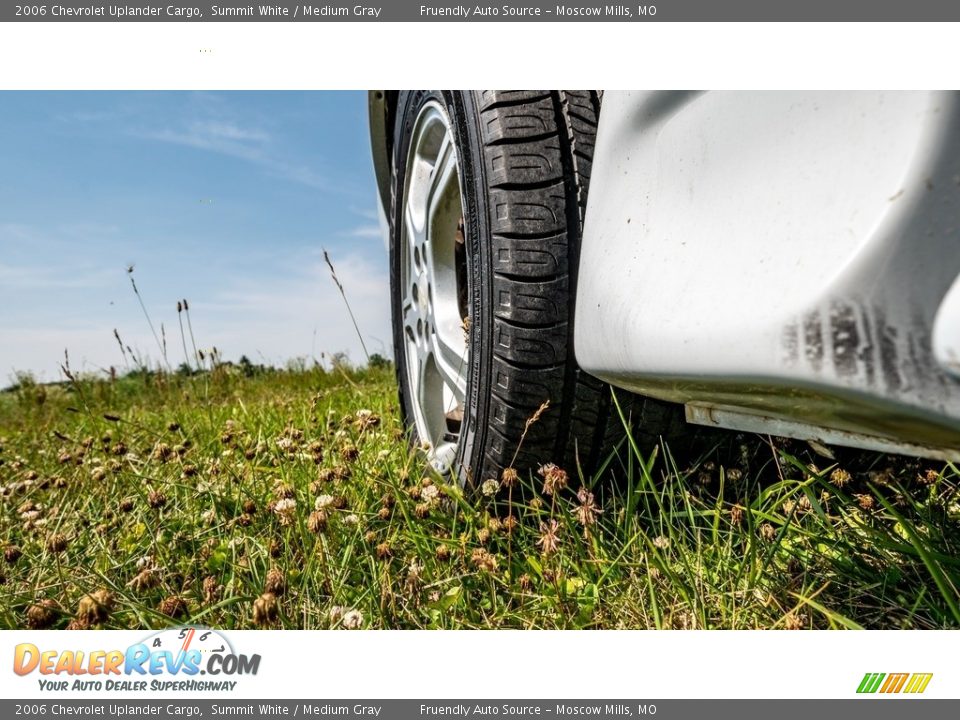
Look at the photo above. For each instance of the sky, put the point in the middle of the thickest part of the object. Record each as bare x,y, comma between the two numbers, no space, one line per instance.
224,199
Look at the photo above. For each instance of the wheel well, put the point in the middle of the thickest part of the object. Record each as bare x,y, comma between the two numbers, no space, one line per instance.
382,108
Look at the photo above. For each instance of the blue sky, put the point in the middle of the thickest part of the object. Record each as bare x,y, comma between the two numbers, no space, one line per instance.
224,199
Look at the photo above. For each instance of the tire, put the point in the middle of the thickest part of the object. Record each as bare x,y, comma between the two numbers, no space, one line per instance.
504,276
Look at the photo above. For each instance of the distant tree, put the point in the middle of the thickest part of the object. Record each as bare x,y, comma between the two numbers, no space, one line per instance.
297,364
341,361
246,367
378,361
27,390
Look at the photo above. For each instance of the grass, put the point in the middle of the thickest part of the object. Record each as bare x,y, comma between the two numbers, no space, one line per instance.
290,499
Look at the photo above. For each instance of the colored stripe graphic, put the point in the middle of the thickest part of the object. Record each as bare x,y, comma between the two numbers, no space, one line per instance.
914,683
894,682
870,682
918,682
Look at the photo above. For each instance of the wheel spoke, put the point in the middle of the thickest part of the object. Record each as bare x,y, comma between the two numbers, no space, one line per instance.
424,389
444,167
410,314
415,237
451,363
443,174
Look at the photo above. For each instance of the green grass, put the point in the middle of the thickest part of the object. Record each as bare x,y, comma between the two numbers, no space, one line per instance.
153,500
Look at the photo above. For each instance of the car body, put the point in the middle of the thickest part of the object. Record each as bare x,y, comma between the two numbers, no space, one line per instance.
778,262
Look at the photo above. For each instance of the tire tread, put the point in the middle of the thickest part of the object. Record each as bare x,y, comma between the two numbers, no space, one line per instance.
538,150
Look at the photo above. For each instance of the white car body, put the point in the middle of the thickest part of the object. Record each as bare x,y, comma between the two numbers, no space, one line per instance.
777,262
780,262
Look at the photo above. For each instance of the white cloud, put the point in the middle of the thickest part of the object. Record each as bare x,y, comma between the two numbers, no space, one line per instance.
368,213
301,316
91,349
305,315
229,131
215,136
52,277
364,231
250,144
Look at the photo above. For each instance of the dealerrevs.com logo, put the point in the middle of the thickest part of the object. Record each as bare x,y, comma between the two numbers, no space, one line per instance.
892,683
169,660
